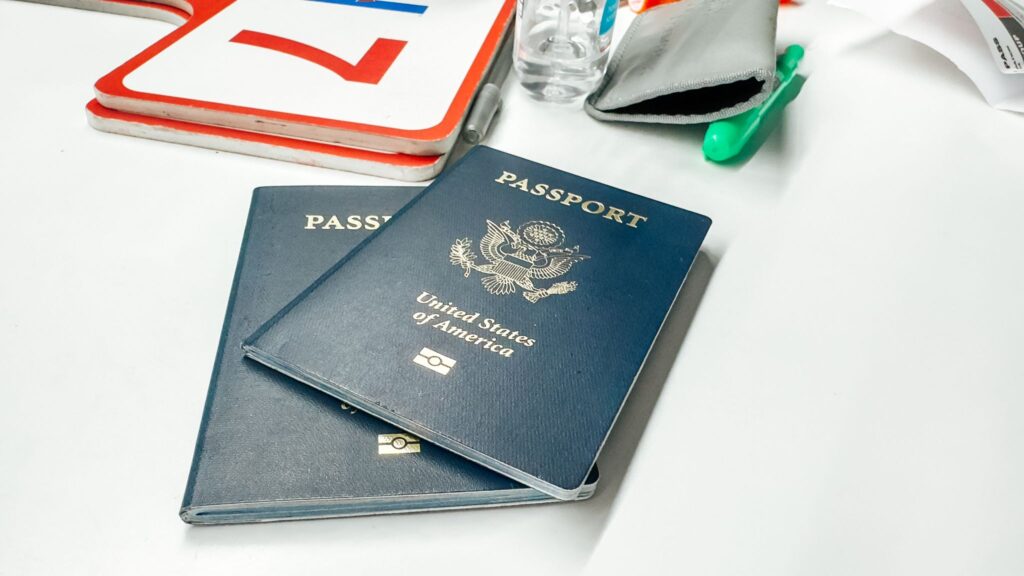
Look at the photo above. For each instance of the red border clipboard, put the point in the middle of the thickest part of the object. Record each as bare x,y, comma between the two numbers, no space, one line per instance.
407,167
113,94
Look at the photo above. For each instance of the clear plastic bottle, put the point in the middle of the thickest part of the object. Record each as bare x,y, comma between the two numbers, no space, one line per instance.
561,48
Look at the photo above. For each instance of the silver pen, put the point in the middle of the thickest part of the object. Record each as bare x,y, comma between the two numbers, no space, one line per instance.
488,100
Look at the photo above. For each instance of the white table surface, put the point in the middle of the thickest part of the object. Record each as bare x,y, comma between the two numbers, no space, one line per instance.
839,392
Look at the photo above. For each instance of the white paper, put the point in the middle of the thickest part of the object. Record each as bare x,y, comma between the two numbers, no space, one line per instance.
947,27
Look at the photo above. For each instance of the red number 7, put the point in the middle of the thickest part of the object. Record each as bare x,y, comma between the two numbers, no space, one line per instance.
369,70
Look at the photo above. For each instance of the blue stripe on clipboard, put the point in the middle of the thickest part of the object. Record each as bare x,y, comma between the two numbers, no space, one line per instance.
380,5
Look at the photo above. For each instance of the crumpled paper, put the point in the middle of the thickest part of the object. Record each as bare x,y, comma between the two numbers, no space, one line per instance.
947,27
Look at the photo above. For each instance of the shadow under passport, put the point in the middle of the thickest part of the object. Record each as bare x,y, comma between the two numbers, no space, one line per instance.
629,428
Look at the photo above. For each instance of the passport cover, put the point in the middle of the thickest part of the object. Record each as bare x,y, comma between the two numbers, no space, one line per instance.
270,448
504,314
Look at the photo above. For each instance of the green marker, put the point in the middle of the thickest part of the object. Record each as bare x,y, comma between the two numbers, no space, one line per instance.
726,138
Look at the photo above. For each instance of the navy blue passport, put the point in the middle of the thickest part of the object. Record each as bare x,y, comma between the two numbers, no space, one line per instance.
270,448
504,315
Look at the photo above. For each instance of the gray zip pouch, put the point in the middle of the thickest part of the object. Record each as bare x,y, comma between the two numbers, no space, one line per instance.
690,62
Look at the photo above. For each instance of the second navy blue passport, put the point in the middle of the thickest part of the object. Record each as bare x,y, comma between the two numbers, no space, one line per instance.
504,315
270,448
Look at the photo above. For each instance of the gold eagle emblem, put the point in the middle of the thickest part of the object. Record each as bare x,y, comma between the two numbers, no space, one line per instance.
518,257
